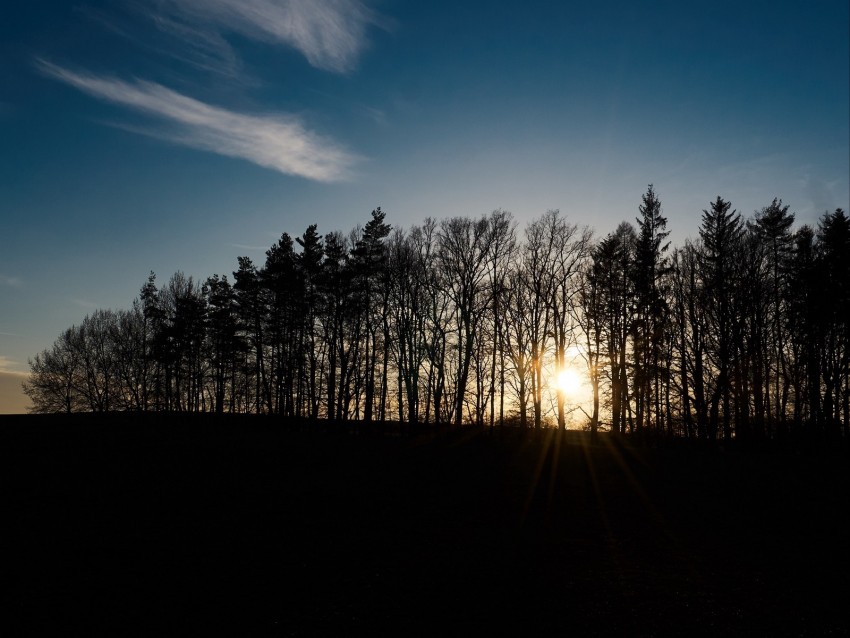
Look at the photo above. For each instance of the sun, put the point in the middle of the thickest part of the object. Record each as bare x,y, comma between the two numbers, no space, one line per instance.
568,381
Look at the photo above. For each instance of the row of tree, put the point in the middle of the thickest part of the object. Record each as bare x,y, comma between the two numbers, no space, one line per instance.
743,332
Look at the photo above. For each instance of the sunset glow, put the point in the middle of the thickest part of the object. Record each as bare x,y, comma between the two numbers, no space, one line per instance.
187,138
569,382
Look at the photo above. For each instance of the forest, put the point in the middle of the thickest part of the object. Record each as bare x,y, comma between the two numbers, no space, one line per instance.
741,333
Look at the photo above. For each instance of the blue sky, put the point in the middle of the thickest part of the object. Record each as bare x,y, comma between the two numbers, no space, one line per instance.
177,134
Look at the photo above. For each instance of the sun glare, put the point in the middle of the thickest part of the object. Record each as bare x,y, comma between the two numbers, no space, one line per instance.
568,381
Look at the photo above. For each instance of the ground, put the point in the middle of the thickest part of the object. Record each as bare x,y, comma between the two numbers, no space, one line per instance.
178,526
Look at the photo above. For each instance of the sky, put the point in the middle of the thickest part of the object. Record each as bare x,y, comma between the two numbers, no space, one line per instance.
166,135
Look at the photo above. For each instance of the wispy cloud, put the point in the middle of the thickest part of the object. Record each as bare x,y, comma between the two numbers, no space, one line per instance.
208,49
279,142
8,365
13,282
199,46
331,34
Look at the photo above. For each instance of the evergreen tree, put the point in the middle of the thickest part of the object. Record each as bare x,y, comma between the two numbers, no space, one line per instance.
651,267
721,231
371,280
309,263
773,228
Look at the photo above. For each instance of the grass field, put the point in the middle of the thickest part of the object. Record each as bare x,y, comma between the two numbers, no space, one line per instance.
177,527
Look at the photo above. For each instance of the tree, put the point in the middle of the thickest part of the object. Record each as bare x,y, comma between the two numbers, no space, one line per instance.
54,373
462,250
309,264
833,242
614,312
650,269
130,361
742,333
804,329
152,321
538,269
407,265
773,228
502,246
224,340
721,231
691,330
518,342
185,327
591,319
571,250
251,315
281,280
437,322
334,289
368,261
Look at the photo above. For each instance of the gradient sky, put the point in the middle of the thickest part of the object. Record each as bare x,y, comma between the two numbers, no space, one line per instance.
166,135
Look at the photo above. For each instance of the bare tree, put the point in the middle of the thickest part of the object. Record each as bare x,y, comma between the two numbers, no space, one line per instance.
571,250
52,384
502,246
462,246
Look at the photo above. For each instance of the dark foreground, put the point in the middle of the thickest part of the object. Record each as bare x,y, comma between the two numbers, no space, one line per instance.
250,528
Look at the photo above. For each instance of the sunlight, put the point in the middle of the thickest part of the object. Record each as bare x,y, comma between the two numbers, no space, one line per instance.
568,382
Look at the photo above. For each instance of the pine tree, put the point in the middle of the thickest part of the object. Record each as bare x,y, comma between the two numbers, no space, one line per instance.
721,231
650,268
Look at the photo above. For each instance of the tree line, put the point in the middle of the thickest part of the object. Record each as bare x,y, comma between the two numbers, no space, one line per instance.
742,332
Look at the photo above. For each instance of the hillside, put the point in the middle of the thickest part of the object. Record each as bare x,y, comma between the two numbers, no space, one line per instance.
162,527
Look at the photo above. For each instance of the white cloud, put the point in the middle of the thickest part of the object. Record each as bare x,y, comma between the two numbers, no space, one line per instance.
279,142
202,47
331,34
14,282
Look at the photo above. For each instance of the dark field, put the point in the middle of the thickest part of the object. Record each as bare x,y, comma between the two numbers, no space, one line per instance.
202,527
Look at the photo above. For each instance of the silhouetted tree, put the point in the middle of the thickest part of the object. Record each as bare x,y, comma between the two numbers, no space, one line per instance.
54,374
743,334
437,322
614,297
650,269
721,231
309,263
407,265
518,340
571,250
368,261
335,290
502,246
772,226
224,341
462,253
281,280
250,313
833,243
129,344
538,270
592,320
